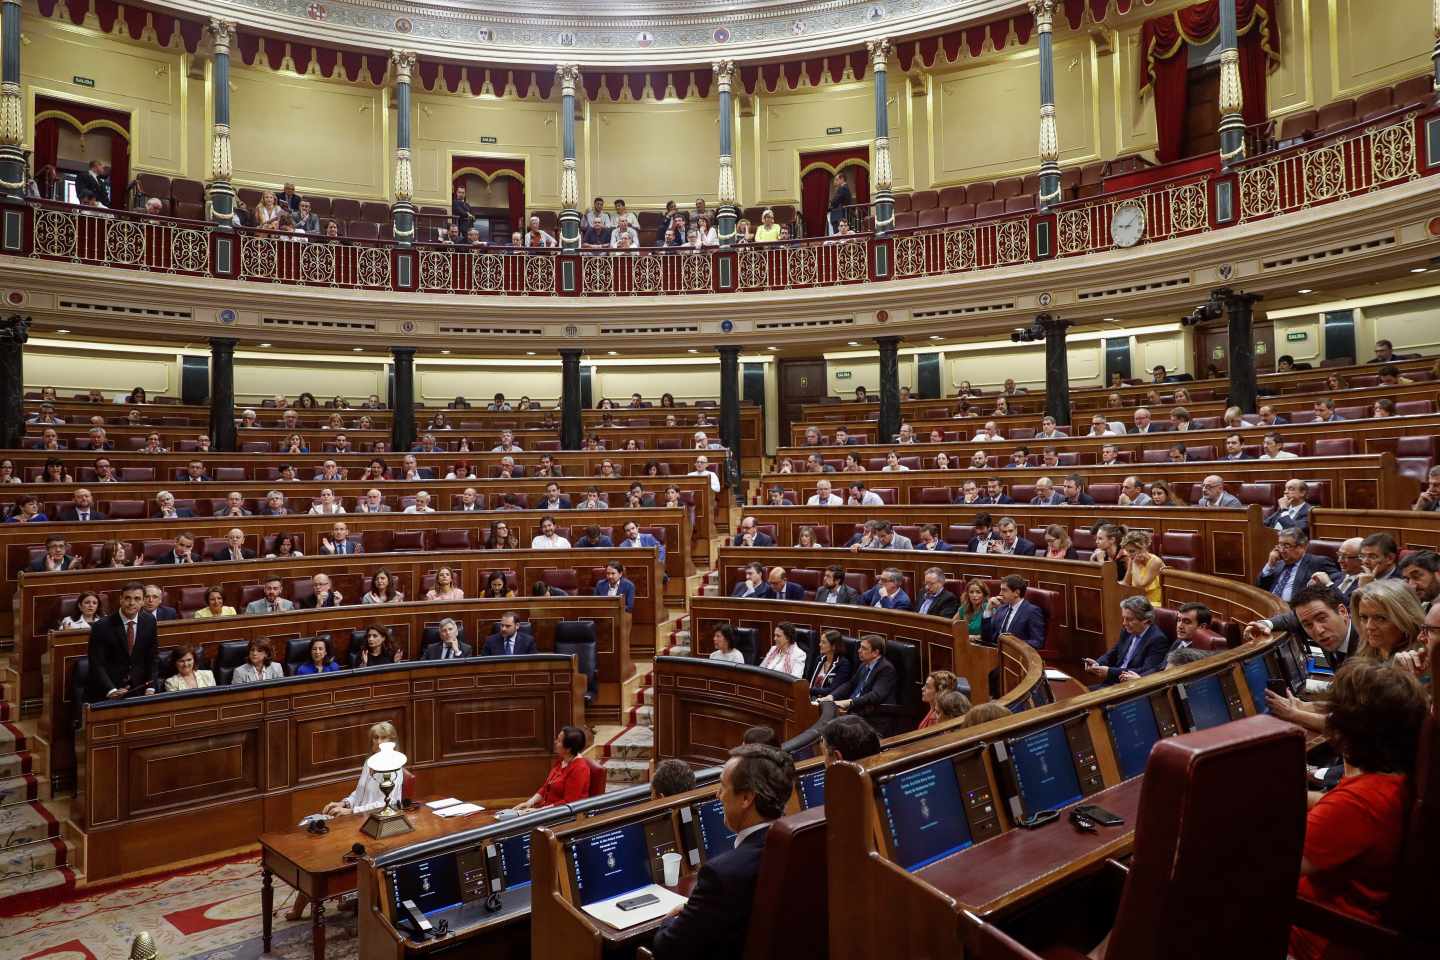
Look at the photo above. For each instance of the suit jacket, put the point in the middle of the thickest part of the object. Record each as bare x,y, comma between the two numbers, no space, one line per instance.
263,606
181,513
1057,499
762,592
223,554
432,652
1024,547
1028,625
112,665
346,547
935,546
945,604
1149,656
715,921
793,591
1309,565
225,512
819,686
1281,520
87,184
585,543
624,589
762,539
974,545
899,601
844,594
38,566
71,515
1083,500
1288,622
312,602
166,613
172,559
495,645
879,687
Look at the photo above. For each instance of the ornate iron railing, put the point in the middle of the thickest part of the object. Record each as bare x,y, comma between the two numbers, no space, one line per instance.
1358,160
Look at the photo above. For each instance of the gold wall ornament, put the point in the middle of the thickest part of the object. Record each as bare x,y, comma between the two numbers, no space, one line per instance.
221,32
569,185
884,176
725,73
726,191
569,76
404,62
12,115
404,182
220,164
1232,96
1049,135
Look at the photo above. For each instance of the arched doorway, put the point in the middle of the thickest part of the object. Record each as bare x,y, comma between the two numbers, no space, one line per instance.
70,135
495,189
817,172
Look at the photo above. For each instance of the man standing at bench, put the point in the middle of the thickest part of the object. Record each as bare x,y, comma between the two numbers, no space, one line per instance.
122,654
754,787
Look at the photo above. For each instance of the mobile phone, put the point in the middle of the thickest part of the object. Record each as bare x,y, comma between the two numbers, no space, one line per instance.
634,903
1277,686
1099,814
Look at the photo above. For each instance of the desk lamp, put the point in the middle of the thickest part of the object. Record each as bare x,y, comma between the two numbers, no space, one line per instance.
386,766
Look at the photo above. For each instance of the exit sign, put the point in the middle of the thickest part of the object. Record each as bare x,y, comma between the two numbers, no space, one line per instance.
82,81
1295,336
832,131
842,374
489,140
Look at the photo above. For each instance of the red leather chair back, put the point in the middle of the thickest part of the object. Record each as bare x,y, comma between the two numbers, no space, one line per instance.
793,872
1411,906
597,779
1188,833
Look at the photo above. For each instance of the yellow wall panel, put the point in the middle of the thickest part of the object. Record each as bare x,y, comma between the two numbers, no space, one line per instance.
648,153
446,126
1135,114
109,373
1291,86
288,128
1375,44
437,386
255,380
684,383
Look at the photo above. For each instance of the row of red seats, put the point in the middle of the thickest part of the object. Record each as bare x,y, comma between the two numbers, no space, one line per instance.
1308,124
1265,493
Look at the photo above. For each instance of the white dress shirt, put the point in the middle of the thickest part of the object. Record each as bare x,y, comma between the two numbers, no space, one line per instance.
552,542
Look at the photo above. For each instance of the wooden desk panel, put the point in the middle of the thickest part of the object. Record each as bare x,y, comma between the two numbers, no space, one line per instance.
703,707
407,621
1412,529
221,767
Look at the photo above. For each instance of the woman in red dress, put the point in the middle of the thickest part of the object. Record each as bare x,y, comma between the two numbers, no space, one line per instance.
569,778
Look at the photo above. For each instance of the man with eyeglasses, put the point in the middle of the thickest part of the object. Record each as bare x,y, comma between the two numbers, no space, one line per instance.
1290,567
1348,556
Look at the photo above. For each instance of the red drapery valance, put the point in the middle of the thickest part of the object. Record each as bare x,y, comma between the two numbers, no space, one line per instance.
1164,63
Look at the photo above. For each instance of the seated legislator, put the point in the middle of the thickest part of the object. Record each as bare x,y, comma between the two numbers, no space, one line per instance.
1428,501
888,592
510,641
123,651
569,778
724,640
1142,568
87,611
379,648
1140,651
234,548
782,588
755,786
1353,833
186,676
785,655
751,537
873,684
1290,566
834,589
848,738
214,605
449,646
155,604
321,660
272,602
55,557
832,667
324,595
671,777
1292,509
258,665
754,584
1009,613
938,682
616,584
934,599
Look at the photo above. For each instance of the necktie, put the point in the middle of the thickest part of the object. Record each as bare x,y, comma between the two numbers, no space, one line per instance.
1010,618
1282,584
1134,643
235,555
509,647
925,604
274,608
129,636
85,515
864,680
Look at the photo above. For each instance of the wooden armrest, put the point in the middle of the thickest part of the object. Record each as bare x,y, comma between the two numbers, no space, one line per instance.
1345,930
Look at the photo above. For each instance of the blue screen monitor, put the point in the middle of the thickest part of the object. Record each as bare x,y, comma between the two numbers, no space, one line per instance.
925,814
715,837
1134,732
1257,675
1045,775
1206,702
433,883
515,860
611,862
812,789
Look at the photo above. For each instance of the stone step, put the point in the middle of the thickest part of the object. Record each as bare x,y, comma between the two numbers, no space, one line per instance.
22,823
643,715
626,773
636,743
19,789
12,739
33,857
15,764
41,886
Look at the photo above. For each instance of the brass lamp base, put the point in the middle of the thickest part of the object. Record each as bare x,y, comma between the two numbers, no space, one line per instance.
386,823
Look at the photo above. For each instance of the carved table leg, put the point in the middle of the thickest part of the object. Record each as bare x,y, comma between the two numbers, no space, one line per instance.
317,906
267,905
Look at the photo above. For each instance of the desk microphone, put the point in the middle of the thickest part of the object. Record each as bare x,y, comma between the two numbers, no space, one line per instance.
356,852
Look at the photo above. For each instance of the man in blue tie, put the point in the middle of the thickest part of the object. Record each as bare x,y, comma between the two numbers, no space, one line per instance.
338,542
1140,650
872,686
509,642
1009,613
1290,567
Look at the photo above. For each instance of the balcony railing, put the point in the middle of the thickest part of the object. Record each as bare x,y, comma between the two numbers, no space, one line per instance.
1351,162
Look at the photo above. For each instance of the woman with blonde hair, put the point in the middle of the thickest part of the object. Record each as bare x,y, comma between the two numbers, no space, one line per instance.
1387,618
1144,567
973,604
267,210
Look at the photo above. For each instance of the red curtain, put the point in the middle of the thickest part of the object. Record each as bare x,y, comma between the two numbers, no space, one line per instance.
47,143
817,174
78,117
1165,62
511,171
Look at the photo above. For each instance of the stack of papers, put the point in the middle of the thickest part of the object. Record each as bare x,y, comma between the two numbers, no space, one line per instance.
451,807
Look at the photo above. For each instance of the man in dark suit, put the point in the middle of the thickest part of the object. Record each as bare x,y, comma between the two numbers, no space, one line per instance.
55,557
81,509
1320,614
1292,509
755,786
94,182
1140,650
750,536
449,646
166,508
1380,556
888,592
509,642
984,539
753,586
782,588
325,594
234,548
1010,540
155,604
994,494
1073,487
339,542
615,584
872,686
1290,567
553,499
834,589
1045,494
1009,613
182,552
934,599
123,654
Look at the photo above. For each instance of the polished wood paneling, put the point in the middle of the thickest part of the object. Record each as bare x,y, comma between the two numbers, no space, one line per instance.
703,707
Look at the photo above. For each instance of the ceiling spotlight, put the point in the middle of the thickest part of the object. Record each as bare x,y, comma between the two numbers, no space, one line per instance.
358,349
692,350
936,336
854,343
1304,290
1419,269
612,352
264,344
62,330
529,353
446,352
773,349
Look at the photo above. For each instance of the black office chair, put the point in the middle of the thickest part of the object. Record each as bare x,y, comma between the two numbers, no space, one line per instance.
79,691
231,654
746,640
297,651
166,661
808,639
907,710
578,637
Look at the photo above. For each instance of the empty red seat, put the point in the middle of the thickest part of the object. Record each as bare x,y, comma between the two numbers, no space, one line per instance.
932,217
1415,446
1411,408
960,212
925,200
1298,126
903,203
320,206
374,211
905,221
362,230
1009,187
933,495
1261,493
989,208
1108,493
952,196
190,191
1374,103
1021,204
1414,90
343,208
978,193
1335,447
1335,115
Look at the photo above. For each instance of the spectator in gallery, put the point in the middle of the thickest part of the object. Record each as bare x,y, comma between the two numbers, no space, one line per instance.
535,237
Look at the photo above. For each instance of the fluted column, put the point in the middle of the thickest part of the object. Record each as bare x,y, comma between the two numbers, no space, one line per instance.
727,213
222,393
1240,316
1057,367
889,388
572,427
730,414
220,191
12,111
883,180
1232,96
402,210
1044,11
14,331
569,76
402,405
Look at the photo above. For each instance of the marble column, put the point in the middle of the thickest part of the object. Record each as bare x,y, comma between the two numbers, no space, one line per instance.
1044,11
889,388
569,76
402,210
572,426
730,414
728,213
402,423
222,393
12,109
1057,367
14,331
882,180
1240,315
1232,96
220,191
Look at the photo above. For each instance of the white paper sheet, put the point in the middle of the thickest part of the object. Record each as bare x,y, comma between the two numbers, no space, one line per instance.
459,810
607,912
442,804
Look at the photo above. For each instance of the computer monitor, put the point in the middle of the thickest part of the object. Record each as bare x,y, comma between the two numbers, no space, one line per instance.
1257,678
514,855
610,862
1134,731
1292,663
925,814
715,838
1205,701
812,789
1045,777
433,884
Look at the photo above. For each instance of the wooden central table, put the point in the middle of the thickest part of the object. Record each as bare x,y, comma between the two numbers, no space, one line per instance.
322,866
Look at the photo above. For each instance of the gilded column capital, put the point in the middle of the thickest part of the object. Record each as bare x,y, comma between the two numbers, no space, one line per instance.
879,52
1232,94
1044,13
404,62
569,76
725,72
12,115
222,34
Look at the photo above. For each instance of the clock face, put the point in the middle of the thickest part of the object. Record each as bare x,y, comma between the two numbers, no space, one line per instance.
1127,227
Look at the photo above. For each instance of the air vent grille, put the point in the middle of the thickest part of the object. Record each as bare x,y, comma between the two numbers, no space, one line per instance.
642,331
1330,253
973,310
318,324
459,331
125,309
1104,293
804,324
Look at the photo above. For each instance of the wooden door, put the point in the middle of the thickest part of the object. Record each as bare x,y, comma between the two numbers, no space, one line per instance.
801,381
1212,346
1202,113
